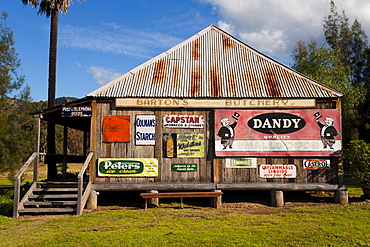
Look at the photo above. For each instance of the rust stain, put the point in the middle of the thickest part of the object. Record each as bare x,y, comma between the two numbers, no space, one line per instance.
271,83
160,75
176,76
195,49
215,81
195,82
227,43
231,82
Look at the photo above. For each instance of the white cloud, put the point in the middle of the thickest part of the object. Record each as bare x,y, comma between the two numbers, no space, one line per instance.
103,75
275,26
115,39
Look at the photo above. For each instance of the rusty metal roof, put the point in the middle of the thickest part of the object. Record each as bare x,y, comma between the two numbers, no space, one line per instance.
213,64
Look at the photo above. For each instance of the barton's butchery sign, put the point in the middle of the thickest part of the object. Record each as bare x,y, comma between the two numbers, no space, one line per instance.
183,121
300,132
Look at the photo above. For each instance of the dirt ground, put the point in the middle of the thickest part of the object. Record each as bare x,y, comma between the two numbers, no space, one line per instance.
251,202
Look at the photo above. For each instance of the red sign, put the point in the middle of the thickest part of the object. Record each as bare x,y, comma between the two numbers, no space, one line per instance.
297,132
116,128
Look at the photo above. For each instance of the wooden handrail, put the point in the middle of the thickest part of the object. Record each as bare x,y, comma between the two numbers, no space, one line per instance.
25,166
17,183
82,197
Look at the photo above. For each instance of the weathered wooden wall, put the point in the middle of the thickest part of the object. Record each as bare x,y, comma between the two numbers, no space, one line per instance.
130,150
210,168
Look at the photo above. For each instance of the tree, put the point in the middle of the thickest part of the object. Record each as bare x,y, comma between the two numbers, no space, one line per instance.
16,129
342,63
350,41
325,66
51,8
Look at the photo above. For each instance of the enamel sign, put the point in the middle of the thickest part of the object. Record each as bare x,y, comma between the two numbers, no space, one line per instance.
145,130
301,132
278,171
127,167
183,121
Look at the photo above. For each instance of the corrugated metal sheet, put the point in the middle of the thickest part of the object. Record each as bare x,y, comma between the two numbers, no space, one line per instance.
213,64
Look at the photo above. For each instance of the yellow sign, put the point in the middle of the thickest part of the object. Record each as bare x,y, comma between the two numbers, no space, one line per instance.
214,103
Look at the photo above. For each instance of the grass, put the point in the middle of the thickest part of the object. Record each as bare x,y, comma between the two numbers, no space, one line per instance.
297,224
329,225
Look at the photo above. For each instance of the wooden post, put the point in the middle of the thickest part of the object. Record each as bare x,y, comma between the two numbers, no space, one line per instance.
65,152
216,202
93,133
277,198
153,201
341,196
17,196
36,148
92,201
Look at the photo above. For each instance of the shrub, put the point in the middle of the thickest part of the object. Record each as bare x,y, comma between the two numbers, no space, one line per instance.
357,159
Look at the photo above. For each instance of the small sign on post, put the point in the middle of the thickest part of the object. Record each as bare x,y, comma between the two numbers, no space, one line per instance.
77,111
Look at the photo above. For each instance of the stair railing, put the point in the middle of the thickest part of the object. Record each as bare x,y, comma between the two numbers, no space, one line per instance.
83,195
18,204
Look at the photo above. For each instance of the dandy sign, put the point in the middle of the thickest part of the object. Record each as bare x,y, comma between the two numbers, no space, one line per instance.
278,132
183,121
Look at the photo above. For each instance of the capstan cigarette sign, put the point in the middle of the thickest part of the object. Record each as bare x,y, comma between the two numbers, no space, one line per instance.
183,121
301,132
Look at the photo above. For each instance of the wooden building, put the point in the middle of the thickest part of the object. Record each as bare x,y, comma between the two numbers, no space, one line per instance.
211,113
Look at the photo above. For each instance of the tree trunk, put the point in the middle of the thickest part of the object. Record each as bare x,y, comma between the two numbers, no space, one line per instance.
52,169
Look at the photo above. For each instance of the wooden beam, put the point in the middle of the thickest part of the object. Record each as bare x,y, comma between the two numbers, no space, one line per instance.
283,186
154,186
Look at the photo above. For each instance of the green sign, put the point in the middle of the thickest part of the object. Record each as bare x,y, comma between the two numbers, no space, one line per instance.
128,167
184,167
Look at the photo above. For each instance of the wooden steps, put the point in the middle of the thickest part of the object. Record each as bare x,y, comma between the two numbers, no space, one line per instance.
51,198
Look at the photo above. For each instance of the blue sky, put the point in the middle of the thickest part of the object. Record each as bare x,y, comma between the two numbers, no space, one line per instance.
98,42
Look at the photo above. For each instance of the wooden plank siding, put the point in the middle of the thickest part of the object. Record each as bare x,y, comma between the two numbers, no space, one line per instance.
130,150
211,169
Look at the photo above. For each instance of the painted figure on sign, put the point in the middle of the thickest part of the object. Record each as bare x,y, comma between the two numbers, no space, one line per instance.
227,132
327,132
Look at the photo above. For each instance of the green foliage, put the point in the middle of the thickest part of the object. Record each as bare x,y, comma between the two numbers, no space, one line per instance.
16,128
325,66
6,202
357,159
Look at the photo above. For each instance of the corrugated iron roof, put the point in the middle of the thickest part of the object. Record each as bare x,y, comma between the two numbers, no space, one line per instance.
213,64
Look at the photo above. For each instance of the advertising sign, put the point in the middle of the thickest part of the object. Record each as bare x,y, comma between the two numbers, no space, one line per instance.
116,128
278,171
241,163
183,121
184,167
316,164
190,145
145,130
183,145
77,111
127,167
258,133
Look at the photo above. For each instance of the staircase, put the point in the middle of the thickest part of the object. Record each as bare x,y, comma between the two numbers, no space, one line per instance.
54,197
51,198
